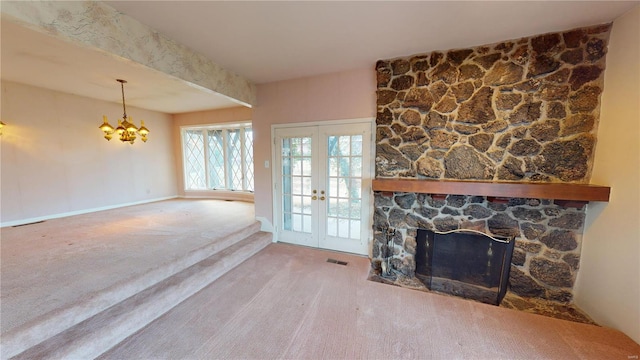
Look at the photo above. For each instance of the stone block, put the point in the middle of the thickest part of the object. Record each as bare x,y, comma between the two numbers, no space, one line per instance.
442,139
487,61
595,49
478,109
456,57
545,131
562,240
552,273
429,167
583,74
478,211
525,214
400,66
481,142
470,72
507,100
585,99
523,285
405,201
525,147
464,162
519,257
446,224
573,221
504,73
386,96
403,82
503,225
419,98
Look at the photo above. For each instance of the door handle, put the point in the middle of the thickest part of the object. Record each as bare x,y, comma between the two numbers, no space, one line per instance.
322,198
314,197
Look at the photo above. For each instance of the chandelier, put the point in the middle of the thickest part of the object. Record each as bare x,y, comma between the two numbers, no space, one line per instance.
126,130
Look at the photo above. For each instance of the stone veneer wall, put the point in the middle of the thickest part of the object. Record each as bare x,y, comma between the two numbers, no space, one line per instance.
520,110
548,237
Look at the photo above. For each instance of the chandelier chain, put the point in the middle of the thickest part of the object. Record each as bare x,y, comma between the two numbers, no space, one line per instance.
124,107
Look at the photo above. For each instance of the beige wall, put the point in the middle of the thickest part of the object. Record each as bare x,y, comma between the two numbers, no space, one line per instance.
55,160
608,284
228,115
345,95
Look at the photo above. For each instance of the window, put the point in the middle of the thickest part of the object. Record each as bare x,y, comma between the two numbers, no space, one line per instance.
218,157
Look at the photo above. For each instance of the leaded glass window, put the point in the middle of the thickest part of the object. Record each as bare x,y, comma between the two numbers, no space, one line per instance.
218,157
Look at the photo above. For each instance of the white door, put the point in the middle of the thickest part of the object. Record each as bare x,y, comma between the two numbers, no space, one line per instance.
322,186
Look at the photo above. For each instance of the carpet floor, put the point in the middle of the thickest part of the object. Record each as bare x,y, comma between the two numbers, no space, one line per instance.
288,302
58,263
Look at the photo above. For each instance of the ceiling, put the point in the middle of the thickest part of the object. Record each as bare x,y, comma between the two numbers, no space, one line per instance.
267,41
34,58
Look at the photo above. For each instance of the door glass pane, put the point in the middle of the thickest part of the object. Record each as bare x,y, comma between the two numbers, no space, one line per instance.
332,226
333,207
306,223
356,167
296,184
297,222
333,167
343,228
344,193
356,145
355,229
306,205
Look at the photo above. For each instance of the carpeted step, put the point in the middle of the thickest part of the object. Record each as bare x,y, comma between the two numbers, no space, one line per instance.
55,322
99,333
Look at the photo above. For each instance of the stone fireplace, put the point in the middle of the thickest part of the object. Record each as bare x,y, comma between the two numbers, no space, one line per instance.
464,263
521,111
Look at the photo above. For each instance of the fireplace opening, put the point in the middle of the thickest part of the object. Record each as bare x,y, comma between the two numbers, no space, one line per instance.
465,263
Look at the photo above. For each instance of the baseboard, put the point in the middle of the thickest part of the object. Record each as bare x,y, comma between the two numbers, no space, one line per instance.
80,212
265,224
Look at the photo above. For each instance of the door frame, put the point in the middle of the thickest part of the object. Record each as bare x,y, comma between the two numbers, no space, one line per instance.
370,176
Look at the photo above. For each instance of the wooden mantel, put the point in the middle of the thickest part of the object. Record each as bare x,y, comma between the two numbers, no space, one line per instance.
555,191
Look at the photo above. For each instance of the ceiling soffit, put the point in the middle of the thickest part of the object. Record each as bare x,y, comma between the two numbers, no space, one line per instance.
100,27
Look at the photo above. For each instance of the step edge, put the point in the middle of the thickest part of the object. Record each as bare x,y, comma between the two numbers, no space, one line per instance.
25,336
91,345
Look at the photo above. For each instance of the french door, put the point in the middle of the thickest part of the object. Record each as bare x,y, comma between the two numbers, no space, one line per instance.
322,186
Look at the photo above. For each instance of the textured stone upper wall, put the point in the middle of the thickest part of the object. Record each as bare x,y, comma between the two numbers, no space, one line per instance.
95,25
519,110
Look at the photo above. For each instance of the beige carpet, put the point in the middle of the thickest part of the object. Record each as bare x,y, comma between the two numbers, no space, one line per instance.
288,302
62,263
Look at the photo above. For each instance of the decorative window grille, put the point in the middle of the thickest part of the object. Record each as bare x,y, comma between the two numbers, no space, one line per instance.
218,157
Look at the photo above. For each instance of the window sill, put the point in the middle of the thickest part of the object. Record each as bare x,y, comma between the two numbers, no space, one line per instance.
218,195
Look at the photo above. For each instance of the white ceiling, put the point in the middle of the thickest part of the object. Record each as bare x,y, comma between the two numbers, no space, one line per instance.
267,41
34,58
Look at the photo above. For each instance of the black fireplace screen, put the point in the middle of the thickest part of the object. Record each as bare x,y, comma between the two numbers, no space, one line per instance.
464,263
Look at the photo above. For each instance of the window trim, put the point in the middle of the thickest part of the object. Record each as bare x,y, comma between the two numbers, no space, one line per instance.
243,195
